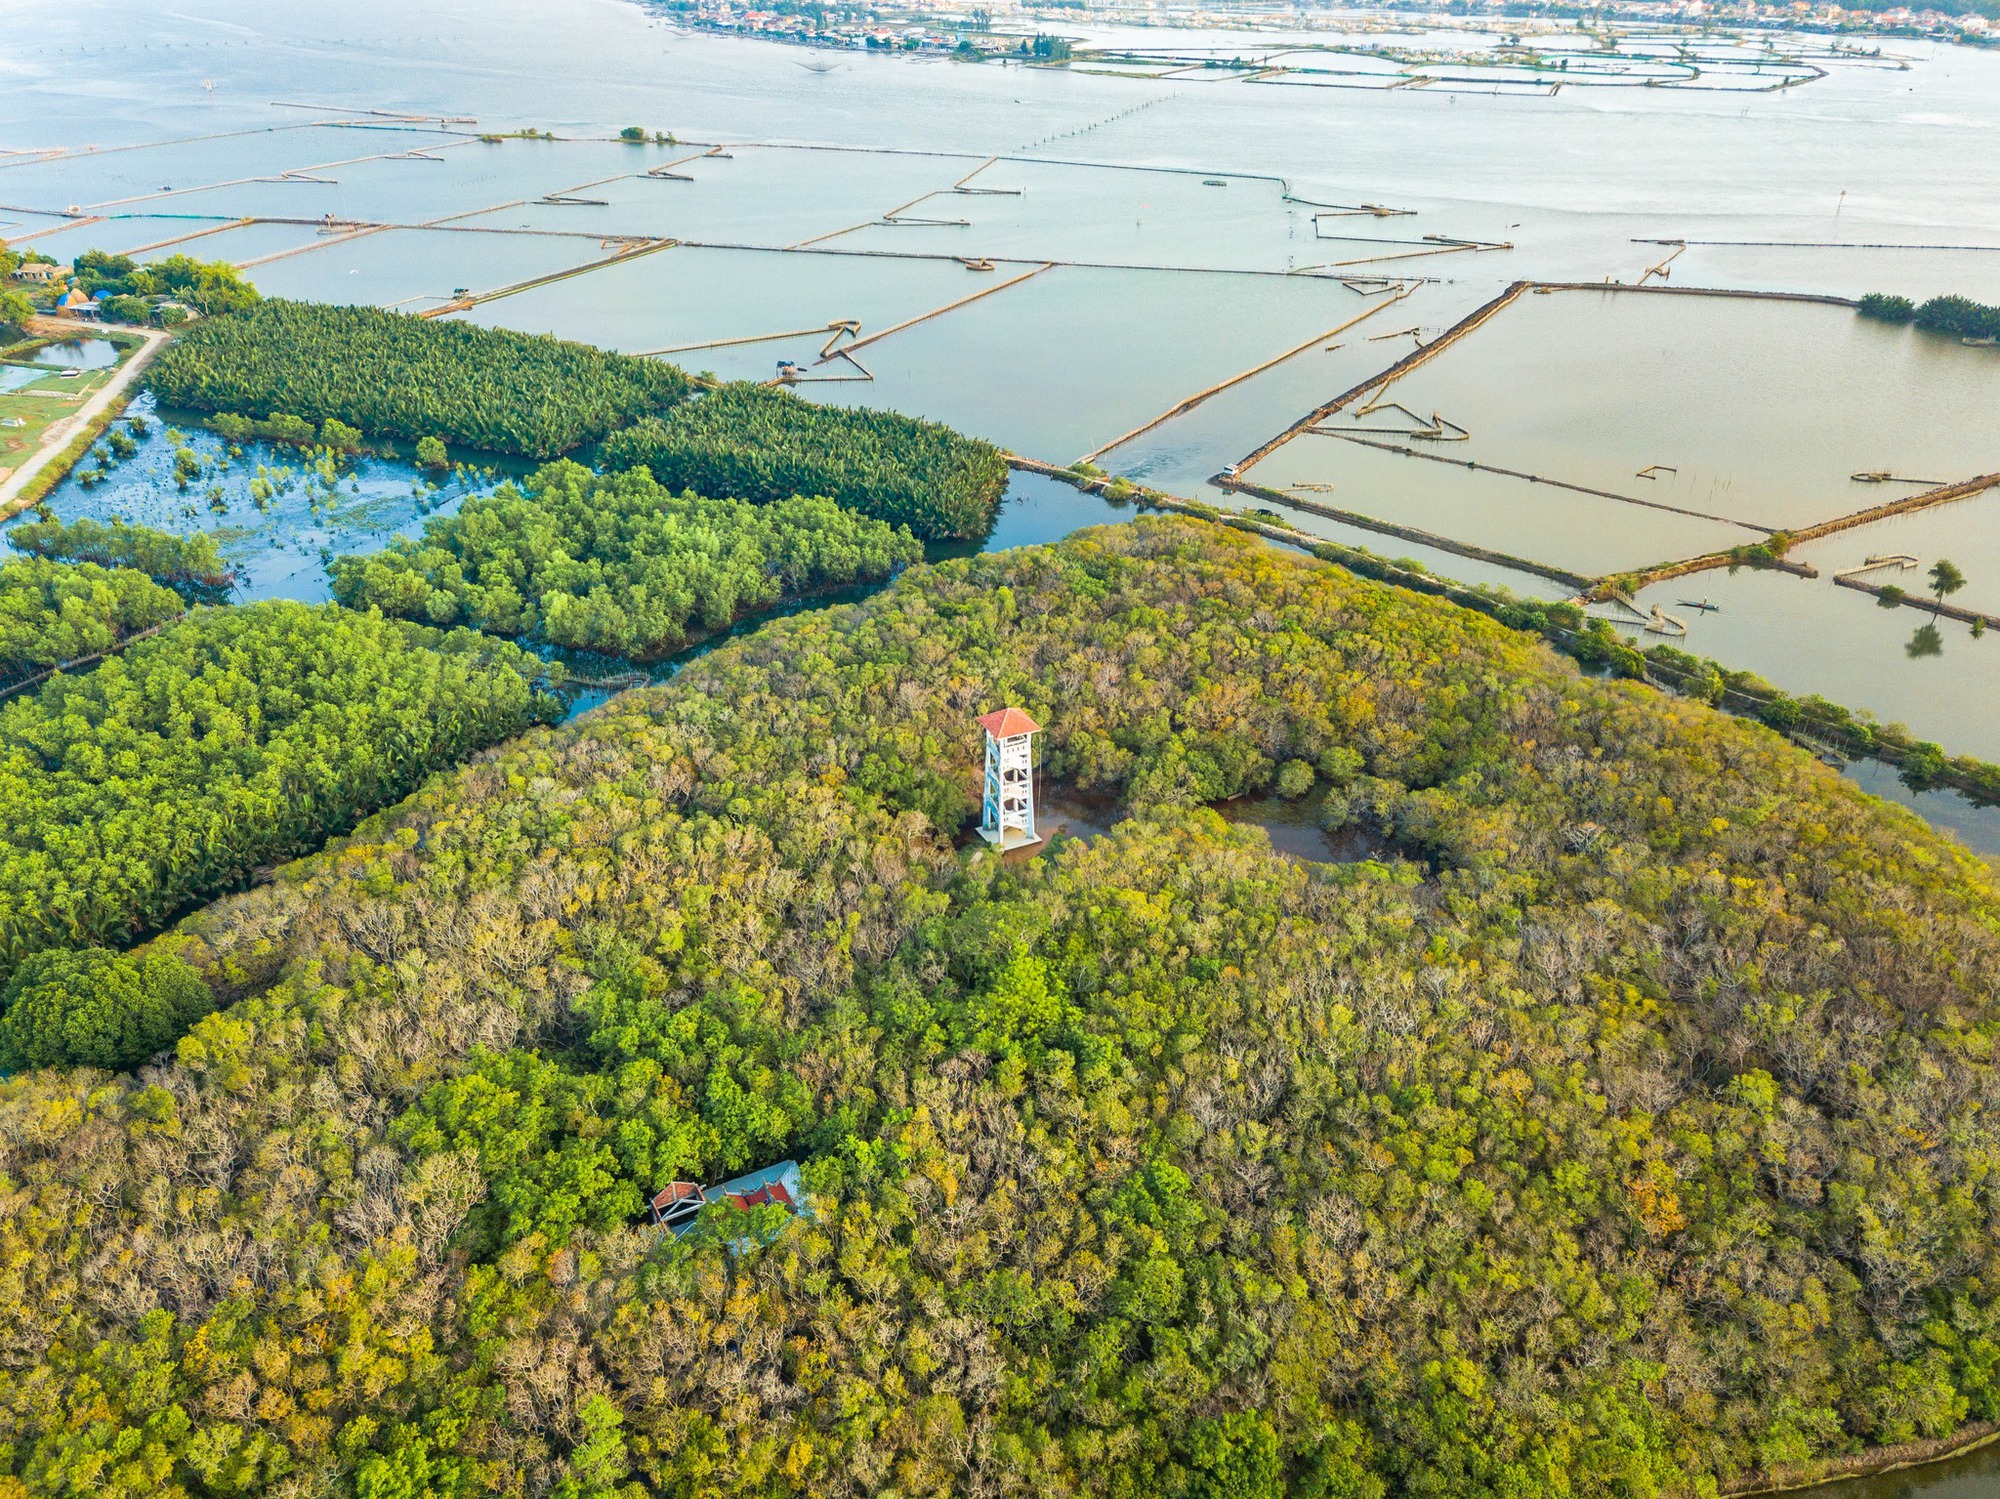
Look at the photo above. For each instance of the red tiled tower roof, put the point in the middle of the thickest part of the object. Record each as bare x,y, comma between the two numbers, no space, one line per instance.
1005,723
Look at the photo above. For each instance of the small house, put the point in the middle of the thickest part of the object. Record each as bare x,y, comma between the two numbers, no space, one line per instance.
774,1184
40,272
676,1207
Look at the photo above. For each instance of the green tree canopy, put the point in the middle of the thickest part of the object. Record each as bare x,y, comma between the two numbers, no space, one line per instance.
763,445
96,1008
177,561
234,738
389,374
51,613
617,564
1622,1126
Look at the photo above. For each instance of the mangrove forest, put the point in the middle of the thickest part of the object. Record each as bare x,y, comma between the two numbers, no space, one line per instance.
618,564
1616,1119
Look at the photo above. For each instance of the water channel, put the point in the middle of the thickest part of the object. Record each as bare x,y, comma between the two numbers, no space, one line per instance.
1065,260
1184,209
1193,203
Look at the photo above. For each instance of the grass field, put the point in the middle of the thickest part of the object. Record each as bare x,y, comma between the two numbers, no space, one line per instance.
29,408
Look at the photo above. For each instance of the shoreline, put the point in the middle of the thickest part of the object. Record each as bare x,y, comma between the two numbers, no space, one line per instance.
1966,775
1868,1463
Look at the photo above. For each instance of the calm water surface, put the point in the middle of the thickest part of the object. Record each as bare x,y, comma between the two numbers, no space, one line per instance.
1974,1477
371,111
79,354
279,542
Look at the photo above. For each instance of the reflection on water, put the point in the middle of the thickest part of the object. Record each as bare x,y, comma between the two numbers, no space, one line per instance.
276,513
1976,1476
1037,510
1292,825
79,354
1295,830
1967,532
1808,636
1064,813
1978,828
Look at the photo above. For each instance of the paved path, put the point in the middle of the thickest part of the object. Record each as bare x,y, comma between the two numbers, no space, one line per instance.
60,434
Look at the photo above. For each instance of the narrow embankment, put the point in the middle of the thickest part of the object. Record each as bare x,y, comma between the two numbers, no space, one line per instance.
86,422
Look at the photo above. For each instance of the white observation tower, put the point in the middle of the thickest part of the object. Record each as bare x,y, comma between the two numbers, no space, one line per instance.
1008,820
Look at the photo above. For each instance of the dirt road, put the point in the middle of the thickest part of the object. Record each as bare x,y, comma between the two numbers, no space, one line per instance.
60,434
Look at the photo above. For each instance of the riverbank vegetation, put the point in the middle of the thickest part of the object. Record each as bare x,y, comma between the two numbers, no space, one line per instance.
189,564
51,613
15,310
1598,645
617,564
162,291
758,444
389,374
236,738
1629,1128
1959,317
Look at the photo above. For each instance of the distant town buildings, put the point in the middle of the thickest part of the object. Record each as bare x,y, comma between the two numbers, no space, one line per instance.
983,29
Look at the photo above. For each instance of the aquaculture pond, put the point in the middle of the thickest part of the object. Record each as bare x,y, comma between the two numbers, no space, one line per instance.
79,354
1612,429
1810,636
504,168
1006,368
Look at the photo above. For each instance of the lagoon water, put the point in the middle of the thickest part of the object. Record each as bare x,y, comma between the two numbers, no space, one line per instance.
1415,206
166,126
